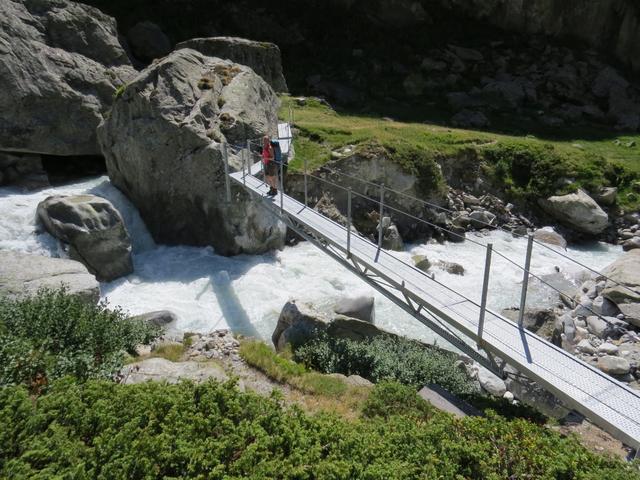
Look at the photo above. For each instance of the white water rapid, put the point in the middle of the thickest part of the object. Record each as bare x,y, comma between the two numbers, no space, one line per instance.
246,293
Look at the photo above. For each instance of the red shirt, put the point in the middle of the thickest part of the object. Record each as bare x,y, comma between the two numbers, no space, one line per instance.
267,154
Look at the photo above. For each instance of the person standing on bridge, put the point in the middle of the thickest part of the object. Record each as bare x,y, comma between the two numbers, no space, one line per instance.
270,167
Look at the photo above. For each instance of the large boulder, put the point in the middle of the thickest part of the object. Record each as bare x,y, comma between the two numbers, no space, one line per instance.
361,308
299,322
264,58
23,275
578,211
622,286
60,66
163,143
95,231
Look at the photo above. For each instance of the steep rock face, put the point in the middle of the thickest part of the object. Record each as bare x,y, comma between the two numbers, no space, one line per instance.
60,65
162,143
264,58
612,25
95,231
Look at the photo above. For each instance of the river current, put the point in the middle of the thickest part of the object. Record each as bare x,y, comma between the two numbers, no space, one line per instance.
246,293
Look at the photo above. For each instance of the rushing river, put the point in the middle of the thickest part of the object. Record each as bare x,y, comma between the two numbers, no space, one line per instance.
245,293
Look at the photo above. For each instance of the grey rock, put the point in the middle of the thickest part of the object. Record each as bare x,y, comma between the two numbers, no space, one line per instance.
148,41
597,326
59,76
577,211
161,370
160,318
584,346
299,322
451,267
608,349
491,383
624,286
607,196
193,103
534,319
631,244
547,235
422,262
95,231
391,239
605,307
362,308
23,275
482,219
264,58
22,170
614,365
631,312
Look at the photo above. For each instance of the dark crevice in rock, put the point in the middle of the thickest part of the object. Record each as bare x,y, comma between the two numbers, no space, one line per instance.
65,169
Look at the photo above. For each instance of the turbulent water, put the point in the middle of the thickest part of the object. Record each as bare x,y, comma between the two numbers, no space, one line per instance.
246,293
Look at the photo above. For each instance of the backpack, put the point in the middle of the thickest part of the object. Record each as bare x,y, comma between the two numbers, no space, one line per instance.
277,152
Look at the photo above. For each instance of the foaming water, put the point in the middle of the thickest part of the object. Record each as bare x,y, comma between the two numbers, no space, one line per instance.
246,293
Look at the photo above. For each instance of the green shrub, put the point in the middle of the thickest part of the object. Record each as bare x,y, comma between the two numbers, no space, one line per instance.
213,431
385,358
392,398
54,334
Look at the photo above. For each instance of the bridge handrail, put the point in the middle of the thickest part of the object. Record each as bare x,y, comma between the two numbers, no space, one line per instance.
495,227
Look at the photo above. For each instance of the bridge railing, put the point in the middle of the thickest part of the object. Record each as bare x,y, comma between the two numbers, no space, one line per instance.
384,205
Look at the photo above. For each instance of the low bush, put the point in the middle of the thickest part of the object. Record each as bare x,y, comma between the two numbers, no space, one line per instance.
385,358
53,334
213,431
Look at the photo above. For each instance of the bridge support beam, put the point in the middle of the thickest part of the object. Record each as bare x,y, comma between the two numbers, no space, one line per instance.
485,291
525,281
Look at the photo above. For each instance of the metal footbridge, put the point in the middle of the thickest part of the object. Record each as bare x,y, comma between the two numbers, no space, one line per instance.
468,325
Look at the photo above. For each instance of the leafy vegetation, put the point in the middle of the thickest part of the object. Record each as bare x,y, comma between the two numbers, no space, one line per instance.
385,358
54,334
525,167
103,430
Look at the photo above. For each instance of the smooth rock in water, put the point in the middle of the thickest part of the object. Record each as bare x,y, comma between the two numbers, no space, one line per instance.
614,365
161,318
548,235
491,383
192,103
624,286
578,211
148,41
361,308
95,231
61,65
262,57
161,370
451,267
422,262
22,275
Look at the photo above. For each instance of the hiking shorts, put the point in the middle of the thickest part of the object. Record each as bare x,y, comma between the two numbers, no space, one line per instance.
271,169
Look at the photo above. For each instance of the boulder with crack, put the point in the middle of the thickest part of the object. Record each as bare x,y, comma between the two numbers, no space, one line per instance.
264,58
578,211
61,64
163,143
